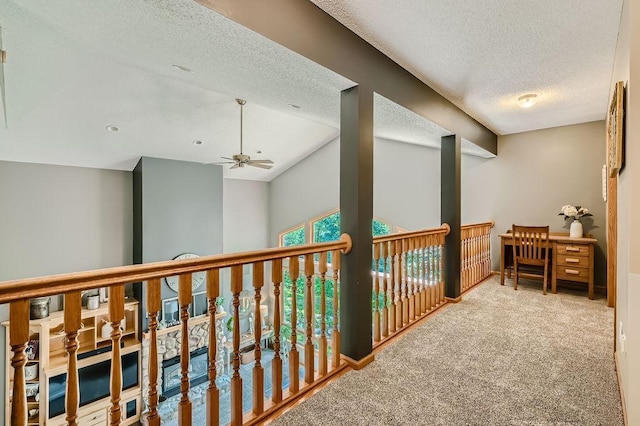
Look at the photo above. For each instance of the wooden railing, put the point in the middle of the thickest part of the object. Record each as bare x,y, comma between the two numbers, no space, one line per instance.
18,293
475,254
408,279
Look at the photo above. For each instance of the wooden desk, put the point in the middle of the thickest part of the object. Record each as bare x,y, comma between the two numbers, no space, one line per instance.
571,258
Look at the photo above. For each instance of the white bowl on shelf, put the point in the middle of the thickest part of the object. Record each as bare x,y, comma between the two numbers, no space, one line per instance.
32,389
31,371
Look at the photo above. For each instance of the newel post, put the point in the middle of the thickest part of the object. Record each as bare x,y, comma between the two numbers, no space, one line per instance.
356,210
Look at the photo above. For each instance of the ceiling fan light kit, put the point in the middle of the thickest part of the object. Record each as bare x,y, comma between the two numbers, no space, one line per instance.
241,160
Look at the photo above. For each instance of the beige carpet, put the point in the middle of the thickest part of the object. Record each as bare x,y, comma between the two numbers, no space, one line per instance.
499,357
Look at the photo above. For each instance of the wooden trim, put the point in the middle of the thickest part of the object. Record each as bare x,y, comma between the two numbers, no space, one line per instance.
454,299
443,229
478,225
291,229
622,400
359,364
88,280
479,282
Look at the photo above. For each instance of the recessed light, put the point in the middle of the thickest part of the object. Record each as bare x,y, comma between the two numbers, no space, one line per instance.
294,106
258,152
181,68
197,142
528,100
112,128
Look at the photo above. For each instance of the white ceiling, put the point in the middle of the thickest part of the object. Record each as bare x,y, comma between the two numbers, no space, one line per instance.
76,66
483,55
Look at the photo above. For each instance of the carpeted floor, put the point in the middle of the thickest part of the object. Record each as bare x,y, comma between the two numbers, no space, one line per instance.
499,357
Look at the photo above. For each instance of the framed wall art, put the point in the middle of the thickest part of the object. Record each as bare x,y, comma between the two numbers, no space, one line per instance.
615,130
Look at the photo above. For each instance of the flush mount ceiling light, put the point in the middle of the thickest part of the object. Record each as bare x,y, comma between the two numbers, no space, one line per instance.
197,142
294,106
181,68
528,100
111,128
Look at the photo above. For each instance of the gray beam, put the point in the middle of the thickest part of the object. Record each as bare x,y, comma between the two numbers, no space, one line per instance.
308,30
450,211
356,210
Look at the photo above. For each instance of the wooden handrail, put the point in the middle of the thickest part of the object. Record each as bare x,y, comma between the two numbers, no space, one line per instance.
89,280
476,225
444,228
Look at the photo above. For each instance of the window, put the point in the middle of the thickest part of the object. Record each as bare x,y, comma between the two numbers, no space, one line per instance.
293,237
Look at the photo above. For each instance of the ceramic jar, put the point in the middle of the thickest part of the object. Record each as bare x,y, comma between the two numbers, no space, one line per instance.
575,230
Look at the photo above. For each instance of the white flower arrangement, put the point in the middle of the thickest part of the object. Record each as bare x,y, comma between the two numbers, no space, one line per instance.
574,212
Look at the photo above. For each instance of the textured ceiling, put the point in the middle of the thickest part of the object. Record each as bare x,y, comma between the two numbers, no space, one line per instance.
482,55
76,66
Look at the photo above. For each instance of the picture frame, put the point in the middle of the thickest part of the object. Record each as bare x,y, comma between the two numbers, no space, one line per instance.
171,311
615,130
200,304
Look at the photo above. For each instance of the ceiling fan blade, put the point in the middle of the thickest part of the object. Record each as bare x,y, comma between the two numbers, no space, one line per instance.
227,158
261,161
235,166
262,166
219,163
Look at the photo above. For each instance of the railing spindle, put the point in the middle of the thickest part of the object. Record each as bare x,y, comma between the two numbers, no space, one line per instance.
213,393
153,307
423,280
72,309
258,370
404,267
18,337
294,355
309,355
276,364
116,315
236,380
398,285
184,300
392,321
385,288
322,361
376,292
335,334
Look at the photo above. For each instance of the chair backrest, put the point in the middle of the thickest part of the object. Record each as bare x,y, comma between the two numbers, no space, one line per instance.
531,242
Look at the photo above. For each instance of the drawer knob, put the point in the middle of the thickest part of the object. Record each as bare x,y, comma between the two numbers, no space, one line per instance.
572,260
572,271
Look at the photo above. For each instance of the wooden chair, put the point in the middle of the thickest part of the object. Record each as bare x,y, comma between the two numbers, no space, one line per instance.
531,250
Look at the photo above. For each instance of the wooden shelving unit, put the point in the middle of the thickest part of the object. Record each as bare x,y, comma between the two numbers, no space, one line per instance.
47,336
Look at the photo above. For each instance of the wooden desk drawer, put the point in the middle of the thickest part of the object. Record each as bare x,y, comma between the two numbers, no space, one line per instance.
572,273
572,249
573,261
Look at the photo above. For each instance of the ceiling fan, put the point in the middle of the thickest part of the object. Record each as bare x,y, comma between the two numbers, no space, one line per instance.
240,160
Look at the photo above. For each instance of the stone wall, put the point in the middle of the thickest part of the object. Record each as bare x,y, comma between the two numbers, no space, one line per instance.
169,343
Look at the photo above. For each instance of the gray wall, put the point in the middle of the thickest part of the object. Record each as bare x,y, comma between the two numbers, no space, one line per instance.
534,175
57,219
178,209
406,187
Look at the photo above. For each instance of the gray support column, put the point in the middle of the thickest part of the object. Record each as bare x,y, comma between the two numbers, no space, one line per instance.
450,211
356,210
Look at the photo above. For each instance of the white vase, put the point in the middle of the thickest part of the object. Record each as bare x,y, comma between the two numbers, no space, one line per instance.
575,231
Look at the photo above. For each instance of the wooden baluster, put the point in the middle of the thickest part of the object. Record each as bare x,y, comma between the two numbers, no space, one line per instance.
236,380
405,281
276,364
335,334
412,280
399,288
184,300
294,355
153,307
393,283
72,320
441,292
322,358
213,393
428,272
385,289
436,275
376,285
116,315
309,352
258,370
423,277
18,338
